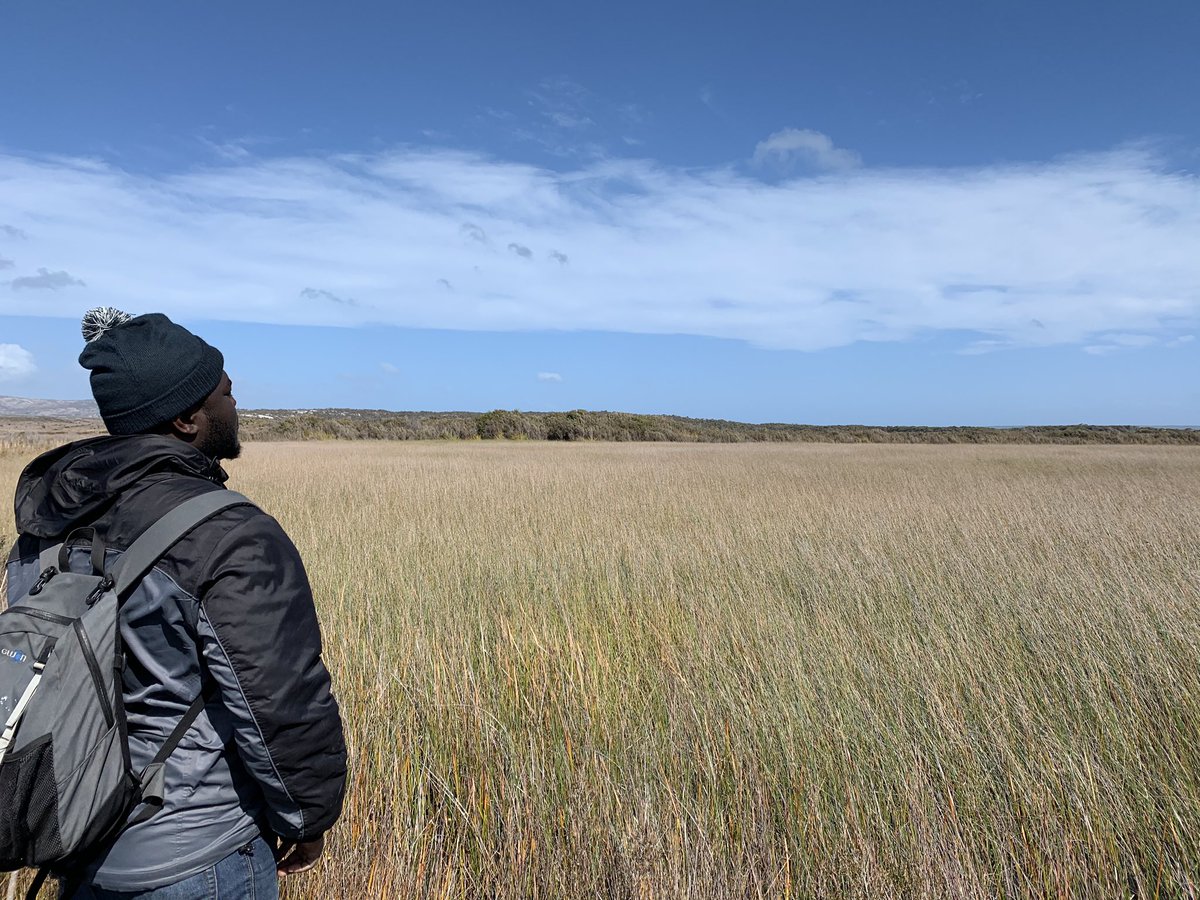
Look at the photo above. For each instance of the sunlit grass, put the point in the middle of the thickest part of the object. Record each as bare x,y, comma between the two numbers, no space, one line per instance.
715,671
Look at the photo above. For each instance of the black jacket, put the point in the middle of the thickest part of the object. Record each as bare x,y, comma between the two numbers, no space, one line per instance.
229,605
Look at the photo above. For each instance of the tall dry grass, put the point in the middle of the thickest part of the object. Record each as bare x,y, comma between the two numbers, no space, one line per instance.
754,671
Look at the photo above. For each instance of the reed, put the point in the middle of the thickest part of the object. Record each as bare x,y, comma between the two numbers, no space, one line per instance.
709,671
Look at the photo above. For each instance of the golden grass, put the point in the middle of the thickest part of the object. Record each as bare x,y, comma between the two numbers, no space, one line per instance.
753,670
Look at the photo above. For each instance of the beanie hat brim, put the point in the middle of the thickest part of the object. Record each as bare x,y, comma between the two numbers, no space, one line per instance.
191,391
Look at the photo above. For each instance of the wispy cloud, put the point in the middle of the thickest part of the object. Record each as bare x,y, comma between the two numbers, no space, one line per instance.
1111,343
230,150
6,263
15,362
549,376
982,346
959,92
632,113
563,103
965,93
793,147
235,149
521,250
564,118
389,369
1061,252
560,258
12,232
45,280
327,297
473,232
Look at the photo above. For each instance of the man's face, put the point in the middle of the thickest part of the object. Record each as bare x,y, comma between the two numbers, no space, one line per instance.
218,420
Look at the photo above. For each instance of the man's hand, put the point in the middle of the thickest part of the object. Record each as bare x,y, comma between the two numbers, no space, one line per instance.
291,858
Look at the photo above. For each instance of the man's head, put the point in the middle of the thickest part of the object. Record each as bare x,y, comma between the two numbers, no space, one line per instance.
150,375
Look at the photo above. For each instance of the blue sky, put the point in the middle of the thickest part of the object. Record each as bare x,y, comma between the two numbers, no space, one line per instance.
944,213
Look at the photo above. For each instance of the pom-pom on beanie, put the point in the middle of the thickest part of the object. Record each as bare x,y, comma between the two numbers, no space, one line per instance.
146,370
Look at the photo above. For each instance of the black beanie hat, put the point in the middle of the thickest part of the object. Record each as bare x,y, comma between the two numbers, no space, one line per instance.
145,370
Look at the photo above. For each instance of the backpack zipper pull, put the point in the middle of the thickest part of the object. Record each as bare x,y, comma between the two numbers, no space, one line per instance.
43,580
106,584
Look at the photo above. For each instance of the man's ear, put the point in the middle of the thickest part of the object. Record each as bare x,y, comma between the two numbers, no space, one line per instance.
187,424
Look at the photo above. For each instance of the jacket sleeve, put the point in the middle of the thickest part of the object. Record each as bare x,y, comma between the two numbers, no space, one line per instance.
261,643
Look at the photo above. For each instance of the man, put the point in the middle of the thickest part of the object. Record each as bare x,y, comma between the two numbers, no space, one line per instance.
259,778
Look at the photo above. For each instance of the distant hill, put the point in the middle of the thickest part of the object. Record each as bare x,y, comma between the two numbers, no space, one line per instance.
56,409
584,425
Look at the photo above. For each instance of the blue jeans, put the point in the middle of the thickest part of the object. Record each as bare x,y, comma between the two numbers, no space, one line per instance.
247,873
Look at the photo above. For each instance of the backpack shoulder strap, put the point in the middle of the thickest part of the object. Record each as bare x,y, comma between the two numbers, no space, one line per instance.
152,783
169,530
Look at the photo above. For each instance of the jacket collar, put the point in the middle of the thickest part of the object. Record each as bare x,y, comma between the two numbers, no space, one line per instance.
74,483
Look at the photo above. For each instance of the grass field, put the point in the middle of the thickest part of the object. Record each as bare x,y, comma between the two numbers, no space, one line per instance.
753,670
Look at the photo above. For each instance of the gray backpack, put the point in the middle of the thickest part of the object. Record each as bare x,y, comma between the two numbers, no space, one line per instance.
66,783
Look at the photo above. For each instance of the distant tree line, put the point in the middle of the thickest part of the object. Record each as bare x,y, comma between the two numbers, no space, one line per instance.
581,425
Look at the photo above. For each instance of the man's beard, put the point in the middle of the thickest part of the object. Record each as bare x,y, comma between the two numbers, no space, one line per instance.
221,442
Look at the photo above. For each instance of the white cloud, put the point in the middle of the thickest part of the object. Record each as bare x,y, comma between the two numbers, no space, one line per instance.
389,368
549,376
15,362
786,148
1017,255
